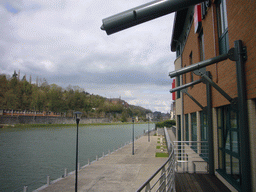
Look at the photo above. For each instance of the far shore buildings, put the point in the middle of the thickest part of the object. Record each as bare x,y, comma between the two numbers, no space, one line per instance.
226,117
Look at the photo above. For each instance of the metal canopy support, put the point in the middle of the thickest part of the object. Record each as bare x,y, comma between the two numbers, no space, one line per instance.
144,13
243,118
185,86
192,98
205,78
221,91
200,65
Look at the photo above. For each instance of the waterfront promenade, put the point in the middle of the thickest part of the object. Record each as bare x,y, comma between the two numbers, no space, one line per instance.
118,171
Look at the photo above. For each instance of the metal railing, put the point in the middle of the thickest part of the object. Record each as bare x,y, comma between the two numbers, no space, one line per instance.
191,156
163,179
185,156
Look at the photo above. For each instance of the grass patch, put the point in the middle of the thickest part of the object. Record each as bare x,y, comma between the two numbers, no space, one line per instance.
162,154
159,147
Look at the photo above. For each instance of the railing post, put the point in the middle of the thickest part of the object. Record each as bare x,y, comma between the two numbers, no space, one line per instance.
48,180
25,188
147,188
65,172
163,180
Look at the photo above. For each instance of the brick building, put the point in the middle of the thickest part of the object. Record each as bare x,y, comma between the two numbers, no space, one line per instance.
215,86
203,113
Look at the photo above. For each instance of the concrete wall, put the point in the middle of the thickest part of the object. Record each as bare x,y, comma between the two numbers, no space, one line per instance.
48,120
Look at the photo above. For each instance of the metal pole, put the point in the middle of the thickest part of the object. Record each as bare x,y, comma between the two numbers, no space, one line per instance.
199,65
77,122
221,91
148,131
243,119
186,85
193,99
133,137
144,13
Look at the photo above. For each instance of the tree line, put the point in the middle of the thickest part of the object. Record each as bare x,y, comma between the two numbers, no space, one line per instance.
16,94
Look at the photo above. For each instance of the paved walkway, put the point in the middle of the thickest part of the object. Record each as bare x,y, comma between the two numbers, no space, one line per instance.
119,171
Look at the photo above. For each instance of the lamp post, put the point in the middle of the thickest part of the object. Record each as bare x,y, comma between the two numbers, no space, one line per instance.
133,136
148,131
78,115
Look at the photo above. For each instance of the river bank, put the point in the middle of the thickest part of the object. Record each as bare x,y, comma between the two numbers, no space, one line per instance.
13,120
66,125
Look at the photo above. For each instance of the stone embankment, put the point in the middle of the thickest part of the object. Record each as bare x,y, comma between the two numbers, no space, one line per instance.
12,120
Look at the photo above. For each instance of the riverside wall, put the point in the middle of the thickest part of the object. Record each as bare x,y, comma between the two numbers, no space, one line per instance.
11,120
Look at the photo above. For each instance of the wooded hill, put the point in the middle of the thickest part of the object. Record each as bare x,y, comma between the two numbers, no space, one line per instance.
18,94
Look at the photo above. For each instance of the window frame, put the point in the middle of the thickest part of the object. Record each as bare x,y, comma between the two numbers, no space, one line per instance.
222,22
227,166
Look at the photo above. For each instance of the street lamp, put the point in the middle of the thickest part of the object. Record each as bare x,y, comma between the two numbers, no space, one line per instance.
78,115
148,131
133,136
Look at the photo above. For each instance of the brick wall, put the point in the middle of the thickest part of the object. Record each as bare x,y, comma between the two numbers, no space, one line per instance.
241,26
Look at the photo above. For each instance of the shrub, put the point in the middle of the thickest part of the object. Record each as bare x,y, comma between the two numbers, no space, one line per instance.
167,123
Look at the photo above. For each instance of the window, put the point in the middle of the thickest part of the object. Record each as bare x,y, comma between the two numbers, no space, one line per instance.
228,146
191,62
222,26
179,134
186,127
194,131
178,51
204,134
201,45
178,84
185,76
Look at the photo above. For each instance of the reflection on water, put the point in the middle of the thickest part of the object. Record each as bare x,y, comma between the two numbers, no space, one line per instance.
30,154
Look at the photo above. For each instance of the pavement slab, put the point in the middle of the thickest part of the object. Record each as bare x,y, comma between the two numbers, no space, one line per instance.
118,171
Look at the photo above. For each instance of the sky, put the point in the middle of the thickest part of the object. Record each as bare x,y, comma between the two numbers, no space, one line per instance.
61,41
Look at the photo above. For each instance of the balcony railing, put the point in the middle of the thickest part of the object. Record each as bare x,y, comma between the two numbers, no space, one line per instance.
163,179
191,156
184,156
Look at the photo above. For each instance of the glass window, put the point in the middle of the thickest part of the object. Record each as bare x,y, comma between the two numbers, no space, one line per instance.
201,46
178,84
194,131
222,26
186,127
229,159
191,73
204,136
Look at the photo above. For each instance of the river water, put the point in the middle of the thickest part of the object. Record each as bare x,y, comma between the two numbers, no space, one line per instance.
28,155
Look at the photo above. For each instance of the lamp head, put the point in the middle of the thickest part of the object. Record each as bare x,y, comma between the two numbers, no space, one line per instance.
78,115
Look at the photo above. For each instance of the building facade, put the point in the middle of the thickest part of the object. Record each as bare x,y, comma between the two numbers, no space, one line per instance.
216,112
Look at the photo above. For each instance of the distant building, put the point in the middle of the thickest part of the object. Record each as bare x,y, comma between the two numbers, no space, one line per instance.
157,116
172,111
149,116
